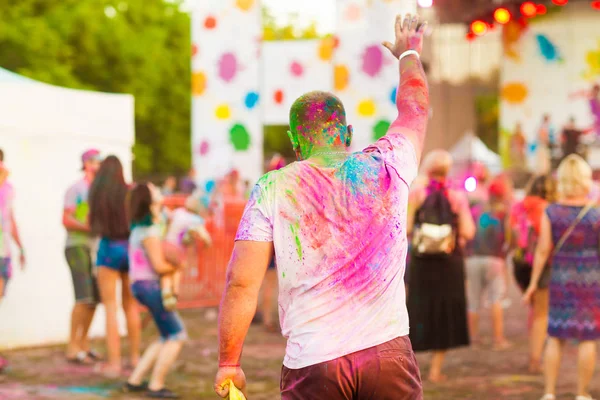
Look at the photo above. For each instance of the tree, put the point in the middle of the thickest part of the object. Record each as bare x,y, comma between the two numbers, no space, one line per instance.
141,47
272,31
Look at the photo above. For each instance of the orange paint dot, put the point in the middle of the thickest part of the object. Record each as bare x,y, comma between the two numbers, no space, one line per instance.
514,93
278,96
210,22
326,48
198,83
341,77
244,5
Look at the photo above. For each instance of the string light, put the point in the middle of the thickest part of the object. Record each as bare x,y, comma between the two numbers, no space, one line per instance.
479,27
541,9
502,16
528,9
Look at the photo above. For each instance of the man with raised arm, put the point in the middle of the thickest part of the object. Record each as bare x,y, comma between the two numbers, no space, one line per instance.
337,224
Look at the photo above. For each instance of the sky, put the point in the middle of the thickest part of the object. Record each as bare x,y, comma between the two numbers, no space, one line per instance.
321,11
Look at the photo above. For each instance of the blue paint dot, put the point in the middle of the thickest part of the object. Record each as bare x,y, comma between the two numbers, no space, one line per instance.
210,186
251,100
393,95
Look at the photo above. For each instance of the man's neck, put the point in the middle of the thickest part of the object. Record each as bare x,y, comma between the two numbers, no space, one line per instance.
328,155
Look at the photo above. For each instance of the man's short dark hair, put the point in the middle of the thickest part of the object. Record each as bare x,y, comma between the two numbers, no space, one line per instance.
317,114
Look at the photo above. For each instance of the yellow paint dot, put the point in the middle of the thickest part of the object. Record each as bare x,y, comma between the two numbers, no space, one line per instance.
514,93
326,48
198,83
367,108
244,5
341,77
223,112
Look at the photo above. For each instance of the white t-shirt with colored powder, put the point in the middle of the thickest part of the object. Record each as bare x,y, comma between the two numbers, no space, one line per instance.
76,200
140,267
340,244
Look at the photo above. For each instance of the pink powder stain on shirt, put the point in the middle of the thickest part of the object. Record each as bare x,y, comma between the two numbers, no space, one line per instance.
372,62
139,258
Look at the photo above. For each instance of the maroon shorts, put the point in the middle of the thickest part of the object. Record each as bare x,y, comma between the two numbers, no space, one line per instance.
385,372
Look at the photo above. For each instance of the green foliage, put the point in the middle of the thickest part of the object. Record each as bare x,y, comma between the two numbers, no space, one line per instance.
272,31
140,47
277,141
487,114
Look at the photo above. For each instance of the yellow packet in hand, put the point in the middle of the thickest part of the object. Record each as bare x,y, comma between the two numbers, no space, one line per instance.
235,393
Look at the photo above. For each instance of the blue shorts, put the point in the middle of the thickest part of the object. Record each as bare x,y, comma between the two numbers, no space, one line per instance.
113,254
169,323
5,272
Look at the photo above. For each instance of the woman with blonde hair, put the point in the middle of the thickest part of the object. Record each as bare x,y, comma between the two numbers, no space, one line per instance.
570,236
440,222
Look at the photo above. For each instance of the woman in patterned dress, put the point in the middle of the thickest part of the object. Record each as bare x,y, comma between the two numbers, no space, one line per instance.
575,282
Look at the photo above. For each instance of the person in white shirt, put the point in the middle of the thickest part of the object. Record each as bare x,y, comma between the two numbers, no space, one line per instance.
337,224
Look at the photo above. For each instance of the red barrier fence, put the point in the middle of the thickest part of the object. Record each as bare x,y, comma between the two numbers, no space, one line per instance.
204,278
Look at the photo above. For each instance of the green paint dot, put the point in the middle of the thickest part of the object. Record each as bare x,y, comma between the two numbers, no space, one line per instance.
380,129
239,137
283,274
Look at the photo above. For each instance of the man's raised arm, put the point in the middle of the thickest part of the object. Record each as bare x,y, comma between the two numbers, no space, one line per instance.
412,99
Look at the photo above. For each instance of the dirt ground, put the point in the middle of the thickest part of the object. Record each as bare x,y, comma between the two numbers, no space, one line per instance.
42,373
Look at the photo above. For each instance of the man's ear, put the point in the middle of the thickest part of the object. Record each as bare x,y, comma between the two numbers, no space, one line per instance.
293,140
295,145
349,134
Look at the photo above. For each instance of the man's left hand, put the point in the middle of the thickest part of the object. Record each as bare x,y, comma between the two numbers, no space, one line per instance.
237,376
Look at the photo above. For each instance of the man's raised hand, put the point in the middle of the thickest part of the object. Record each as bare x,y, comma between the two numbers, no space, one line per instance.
409,35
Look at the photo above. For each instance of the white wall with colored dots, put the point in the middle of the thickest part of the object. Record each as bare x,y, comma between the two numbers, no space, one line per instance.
240,83
549,67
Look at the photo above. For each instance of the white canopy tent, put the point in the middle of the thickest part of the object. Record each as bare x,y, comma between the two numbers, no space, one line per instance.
43,131
471,149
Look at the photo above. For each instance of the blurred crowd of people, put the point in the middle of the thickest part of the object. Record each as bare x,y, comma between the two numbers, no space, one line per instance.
548,238
119,232
551,145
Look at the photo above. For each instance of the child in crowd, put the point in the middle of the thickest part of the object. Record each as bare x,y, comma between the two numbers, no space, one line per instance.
186,226
485,267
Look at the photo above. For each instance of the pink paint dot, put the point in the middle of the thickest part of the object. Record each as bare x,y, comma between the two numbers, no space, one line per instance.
228,67
194,49
296,69
204,148
372,61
